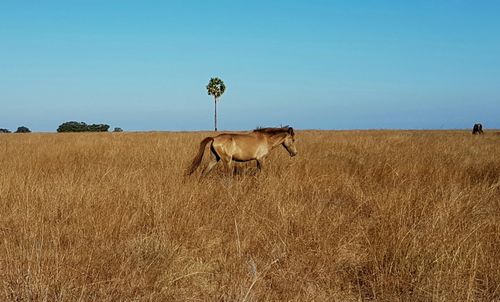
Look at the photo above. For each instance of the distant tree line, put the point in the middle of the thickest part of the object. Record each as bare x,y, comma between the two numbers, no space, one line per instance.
21,129
70,127
82,127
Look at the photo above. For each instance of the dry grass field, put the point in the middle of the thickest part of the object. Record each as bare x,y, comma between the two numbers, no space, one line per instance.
356,216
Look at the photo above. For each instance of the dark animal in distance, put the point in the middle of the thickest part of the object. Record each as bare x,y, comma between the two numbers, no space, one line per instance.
477,129
242,147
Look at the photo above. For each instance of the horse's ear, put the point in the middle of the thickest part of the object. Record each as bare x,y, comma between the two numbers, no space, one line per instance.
290,130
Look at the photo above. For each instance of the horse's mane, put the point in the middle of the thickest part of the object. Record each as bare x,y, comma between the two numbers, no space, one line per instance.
275,131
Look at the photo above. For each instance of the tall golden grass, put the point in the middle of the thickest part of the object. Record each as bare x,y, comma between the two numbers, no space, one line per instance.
357,215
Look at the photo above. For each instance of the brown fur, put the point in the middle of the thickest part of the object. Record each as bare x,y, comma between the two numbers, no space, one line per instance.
242,147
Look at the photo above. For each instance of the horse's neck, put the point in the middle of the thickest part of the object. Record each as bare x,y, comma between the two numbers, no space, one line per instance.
275,140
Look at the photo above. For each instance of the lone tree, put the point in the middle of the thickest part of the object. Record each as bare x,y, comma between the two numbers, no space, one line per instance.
216,88
23,129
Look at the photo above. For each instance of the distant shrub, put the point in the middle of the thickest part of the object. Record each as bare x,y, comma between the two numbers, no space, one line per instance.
82,127
23,129
98,128
118,129
2,130
72,127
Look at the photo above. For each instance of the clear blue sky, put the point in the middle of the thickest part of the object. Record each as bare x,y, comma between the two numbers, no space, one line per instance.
144,65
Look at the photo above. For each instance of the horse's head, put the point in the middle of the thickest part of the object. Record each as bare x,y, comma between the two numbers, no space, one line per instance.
289,142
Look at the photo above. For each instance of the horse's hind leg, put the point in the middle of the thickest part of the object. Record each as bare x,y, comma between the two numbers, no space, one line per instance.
212,163
260,164
210,166
228,162
220,154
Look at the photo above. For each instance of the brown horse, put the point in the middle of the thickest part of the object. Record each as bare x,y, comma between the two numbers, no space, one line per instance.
242,147
477,129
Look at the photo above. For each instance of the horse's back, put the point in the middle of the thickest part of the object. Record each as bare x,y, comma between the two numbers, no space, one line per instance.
239,138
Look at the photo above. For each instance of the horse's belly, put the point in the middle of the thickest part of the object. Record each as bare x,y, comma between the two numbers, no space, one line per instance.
243,157
246,155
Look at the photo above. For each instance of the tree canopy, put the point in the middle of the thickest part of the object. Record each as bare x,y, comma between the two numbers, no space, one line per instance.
216,88
82,127
23,129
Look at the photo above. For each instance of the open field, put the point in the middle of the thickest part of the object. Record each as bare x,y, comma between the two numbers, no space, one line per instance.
357,215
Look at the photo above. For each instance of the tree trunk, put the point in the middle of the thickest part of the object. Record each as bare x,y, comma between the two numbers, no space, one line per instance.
215,117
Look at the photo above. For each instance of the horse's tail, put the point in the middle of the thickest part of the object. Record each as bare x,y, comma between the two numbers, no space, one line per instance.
197,159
